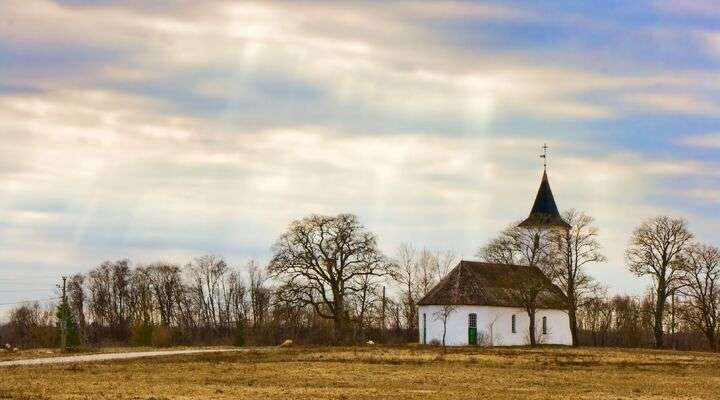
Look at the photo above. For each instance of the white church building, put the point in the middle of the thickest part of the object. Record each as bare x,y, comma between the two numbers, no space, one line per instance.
475,297
481,303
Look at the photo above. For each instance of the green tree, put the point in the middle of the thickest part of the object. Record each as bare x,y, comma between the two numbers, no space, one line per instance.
67,322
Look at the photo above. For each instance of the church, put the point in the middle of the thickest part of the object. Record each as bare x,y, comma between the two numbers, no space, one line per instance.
481,303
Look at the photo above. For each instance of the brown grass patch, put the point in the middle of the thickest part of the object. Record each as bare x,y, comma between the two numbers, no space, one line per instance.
380,372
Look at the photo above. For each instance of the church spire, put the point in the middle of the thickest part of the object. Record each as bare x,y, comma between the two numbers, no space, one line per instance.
544,212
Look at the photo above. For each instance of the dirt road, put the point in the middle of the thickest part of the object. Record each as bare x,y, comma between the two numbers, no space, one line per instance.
107,356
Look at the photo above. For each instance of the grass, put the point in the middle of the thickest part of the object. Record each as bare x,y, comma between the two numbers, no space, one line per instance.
381,372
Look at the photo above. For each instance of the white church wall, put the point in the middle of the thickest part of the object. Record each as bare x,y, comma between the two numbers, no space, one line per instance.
494,326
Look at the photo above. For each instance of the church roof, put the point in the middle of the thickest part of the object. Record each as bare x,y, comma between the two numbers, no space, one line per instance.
544,211
488,284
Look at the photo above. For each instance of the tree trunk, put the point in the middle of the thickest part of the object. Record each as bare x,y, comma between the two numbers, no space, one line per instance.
339,319
531,314
659,312
712,339
444,331
572,313
573,325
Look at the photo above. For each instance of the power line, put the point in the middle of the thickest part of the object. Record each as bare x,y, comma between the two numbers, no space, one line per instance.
29,301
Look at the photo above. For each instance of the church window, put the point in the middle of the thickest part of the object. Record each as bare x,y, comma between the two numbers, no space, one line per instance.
544,325
512,323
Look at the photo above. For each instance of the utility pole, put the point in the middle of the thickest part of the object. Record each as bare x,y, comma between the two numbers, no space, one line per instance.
63,323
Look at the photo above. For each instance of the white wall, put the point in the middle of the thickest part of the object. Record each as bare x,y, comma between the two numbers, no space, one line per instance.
494,326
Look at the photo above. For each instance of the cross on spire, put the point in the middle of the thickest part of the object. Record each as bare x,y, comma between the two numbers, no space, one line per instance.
544,155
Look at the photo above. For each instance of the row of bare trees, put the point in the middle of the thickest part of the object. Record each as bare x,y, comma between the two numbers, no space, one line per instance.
327,281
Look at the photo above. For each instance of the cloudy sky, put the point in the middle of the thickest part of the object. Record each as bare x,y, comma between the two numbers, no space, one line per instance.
163,132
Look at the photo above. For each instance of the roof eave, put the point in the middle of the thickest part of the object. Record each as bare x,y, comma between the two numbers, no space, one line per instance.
544,221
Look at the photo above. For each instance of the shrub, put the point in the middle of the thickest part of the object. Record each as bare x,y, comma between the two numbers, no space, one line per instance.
239,337
142,334
162,336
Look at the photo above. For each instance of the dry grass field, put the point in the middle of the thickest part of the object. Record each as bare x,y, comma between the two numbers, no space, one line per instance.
380,372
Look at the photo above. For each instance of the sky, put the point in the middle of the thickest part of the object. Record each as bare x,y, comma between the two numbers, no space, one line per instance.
168,130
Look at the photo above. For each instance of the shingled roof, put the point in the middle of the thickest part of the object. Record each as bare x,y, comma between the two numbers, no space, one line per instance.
544,212
487,284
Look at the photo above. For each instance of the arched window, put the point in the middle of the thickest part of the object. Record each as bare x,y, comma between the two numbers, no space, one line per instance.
512,323
544,325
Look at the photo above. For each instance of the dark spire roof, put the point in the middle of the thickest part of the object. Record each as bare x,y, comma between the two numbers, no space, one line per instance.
489,284
544,212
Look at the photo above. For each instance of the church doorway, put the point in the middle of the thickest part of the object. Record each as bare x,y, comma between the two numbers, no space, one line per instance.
472,329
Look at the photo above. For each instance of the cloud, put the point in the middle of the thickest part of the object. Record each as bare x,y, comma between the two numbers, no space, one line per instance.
118,185
701,8
711,195
357,55
680,103
133,130
708,140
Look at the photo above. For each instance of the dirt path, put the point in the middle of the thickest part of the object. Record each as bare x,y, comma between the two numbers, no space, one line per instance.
107,356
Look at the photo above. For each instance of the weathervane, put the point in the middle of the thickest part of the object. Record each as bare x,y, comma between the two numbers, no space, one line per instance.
544,155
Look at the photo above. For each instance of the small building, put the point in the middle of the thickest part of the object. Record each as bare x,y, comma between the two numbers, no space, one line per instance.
481,303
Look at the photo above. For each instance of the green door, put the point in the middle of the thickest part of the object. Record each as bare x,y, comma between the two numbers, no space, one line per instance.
472,329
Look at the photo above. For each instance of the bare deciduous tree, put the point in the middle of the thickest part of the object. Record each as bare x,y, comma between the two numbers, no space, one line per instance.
321,260
444,261
428,274
167,286
407,276
655,249
700,285
519,246
207,273
527,290
577,247
76,299
259,294
442,315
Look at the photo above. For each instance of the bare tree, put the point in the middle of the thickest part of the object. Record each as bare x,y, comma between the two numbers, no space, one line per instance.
700,285
76,298
167,286
654,250
320,261
407,276
577,247
108,286
517,245
428,275
31,325
366,303
492,320
442,315
259,294
207,273
140,299
527,290
444,261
